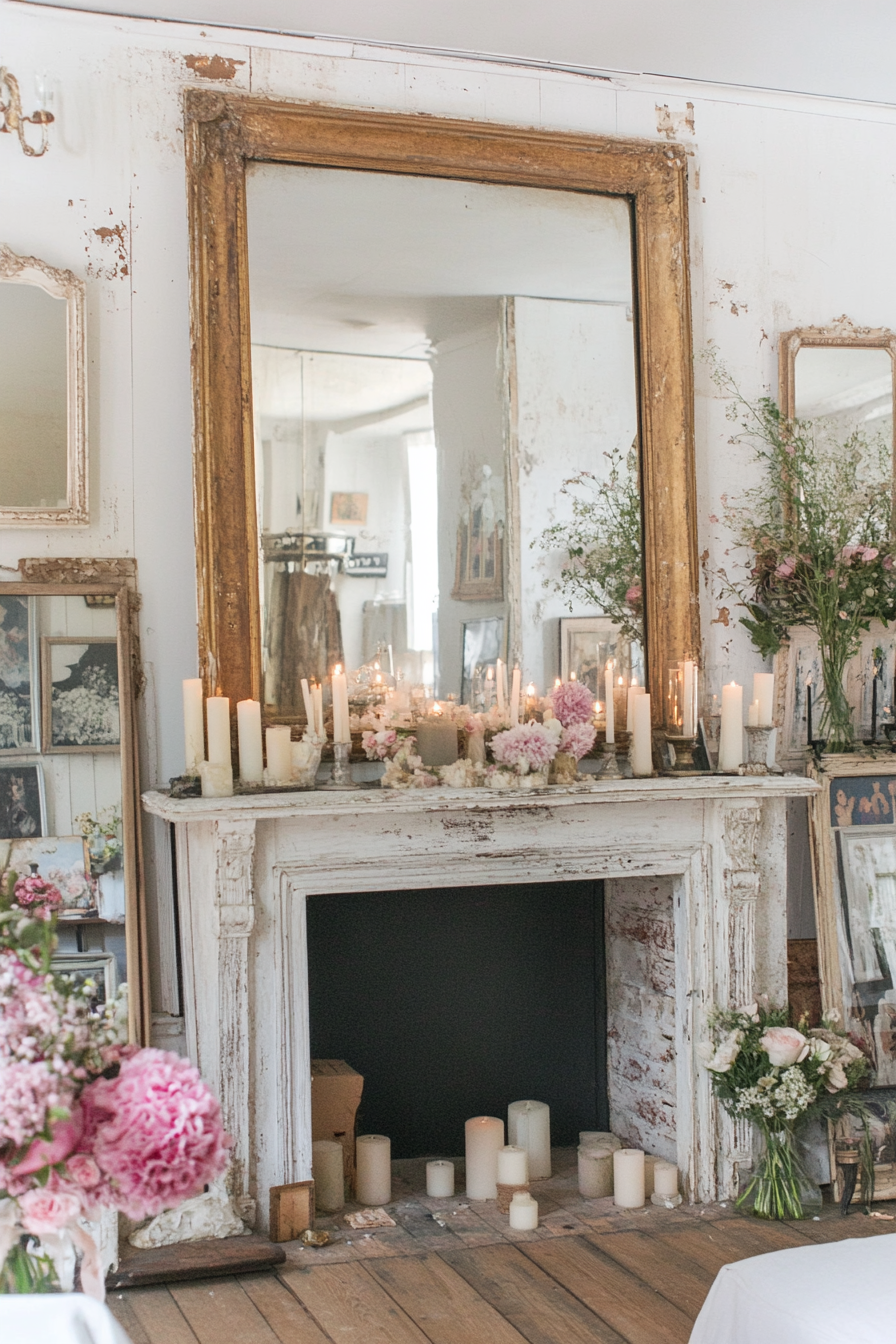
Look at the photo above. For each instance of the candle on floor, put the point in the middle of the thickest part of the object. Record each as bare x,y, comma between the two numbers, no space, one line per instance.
279,749
373,1169
595,1171
327,1170
308,702
439,1179
523,1212
513,1165
641,754
628,1178
248,731
217,714
633,692
339,688
764,693
529,1127
194,727
608,696
515,696
598,1138
731,734
665,1179
483,1136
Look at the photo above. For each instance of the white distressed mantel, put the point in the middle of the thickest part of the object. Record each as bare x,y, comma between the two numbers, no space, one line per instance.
246,865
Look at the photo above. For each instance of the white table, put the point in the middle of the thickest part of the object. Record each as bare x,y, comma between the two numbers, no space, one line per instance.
57,1318
843,1292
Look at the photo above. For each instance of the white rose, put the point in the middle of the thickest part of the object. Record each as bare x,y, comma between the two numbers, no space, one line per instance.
784,1046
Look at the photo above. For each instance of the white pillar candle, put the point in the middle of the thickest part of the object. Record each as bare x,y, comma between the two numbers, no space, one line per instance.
194,728
339,688
483,1135
217,713
373,1169
529,1127
764,695
515,696
689,696
731,734
523,1212
608,696
308,701
513,1165
439,1179
628,1178
317,699
328,1171
499,684
641,755
217,780
753,715
633,692
665,1179
595,1172
599,1138
279,749
248,731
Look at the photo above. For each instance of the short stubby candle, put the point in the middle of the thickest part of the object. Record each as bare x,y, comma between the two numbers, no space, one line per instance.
436,742
599,1138
439,1179
513,1165
523,1212
665,1180
327,1168
529,1127
373,1169
595,1171
484,1136
628,1178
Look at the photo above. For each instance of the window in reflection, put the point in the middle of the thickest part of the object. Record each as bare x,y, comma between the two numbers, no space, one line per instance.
849,387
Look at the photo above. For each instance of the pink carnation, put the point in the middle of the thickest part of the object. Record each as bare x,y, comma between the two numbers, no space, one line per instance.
578,739
572,703
529,746
47,1210
156,1132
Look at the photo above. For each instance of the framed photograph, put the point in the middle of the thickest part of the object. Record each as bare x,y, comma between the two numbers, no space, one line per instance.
100,967
586,645
80,694
348,508
19,678
483,645
63,860
23,801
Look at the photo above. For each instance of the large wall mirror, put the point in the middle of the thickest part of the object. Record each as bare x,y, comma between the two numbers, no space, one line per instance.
43,401
409,334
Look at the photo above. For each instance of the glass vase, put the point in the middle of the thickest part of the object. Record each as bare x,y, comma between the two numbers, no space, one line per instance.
780,1187
835,726
28,1268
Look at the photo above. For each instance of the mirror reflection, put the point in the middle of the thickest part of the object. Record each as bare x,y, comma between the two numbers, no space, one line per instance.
33,398
432,360
849,387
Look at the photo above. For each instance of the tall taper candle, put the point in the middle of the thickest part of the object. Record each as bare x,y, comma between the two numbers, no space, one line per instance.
499,684
731,734
308,701
641,754
764,693
341,729
689,698
529,1127
194,726
217,711
515,697
484,1136
809,736
248,731
373,1169
608,696
317,698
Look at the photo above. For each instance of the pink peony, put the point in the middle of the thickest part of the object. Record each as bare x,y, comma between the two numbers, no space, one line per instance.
529,746
47,1152
888,562
784,1046
155,1131
48,1210
37,895
578,739
572,703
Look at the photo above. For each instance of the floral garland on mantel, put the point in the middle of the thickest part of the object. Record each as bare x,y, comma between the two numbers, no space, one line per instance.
522,755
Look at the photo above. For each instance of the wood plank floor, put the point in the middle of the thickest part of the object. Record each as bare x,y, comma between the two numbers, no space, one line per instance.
453,1273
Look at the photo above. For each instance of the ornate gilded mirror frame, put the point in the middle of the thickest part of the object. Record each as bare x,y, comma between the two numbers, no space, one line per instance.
842,334
226,132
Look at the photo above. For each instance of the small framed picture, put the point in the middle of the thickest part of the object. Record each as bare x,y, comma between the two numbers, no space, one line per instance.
100,967
79,693
23,801
348,508
18,675
63,860
482,647
587,643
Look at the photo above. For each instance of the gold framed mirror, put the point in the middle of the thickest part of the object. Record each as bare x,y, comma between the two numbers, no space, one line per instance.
843,374
232,137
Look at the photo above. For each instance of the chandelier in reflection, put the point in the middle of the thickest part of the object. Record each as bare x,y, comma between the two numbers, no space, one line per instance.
12,119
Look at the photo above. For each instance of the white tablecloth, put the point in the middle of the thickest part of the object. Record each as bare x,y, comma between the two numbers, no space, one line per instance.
57,1318
843,1292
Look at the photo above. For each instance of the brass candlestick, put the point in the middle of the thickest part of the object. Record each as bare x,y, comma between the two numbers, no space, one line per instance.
684,748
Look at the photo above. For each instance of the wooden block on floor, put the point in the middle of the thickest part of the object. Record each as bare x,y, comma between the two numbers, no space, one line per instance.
292,1210
195,1260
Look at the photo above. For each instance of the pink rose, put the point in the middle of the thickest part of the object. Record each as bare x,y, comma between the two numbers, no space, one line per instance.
786,568
47,1211
848,552
83,1171
784,1046
868,554
633,595
46,1153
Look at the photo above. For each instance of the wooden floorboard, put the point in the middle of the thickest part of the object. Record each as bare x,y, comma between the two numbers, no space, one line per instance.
284,1313
349,1305
219,1310
670,1270
441,1302
151,1316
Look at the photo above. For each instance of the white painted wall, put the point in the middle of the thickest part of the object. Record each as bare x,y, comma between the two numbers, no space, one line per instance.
792,222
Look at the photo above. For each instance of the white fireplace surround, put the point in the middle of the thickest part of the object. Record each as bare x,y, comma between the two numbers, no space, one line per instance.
246,865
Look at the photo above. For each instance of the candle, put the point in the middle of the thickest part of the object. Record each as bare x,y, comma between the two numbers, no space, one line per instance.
499,684
436,742
373,1169
598,1138
529,1127
248,731
194,728
513,1165
217,713
764,694
665,1179
753,715
641,754
484,1135
608,696
523,1212
439,1179
731,735
809,737
279,749
328,1173
308,700
633,692
628,1178
595,1171
515,696
689,707
531,705
339,688
217,780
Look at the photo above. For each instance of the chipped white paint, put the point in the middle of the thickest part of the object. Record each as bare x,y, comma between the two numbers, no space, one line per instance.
247,866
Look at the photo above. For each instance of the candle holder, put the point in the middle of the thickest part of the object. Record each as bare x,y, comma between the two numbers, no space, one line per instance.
341,777
610,768
683,749
757,749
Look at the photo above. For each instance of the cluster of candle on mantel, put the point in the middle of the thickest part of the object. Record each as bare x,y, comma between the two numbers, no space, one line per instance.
760,714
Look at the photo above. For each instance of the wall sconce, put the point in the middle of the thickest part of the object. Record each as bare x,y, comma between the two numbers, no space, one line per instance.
11,118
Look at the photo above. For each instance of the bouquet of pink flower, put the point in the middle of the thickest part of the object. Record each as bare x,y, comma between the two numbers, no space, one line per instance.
37,895
578,739
528,746
572,703
381,745
87,1122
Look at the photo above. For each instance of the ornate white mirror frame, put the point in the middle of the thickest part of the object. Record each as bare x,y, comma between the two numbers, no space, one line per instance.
59,284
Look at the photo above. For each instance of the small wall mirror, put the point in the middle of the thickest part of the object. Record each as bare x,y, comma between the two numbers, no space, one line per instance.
43,447
842,375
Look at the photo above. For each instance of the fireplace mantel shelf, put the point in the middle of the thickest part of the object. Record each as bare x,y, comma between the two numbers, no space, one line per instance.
276,806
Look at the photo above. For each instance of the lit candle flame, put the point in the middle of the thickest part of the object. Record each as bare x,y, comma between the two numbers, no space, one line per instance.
573,676
634,681
598,707
621,681
337,670
556,682
437,709
490,674
530,689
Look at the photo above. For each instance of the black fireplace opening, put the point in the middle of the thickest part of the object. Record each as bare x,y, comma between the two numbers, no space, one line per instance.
454,1002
